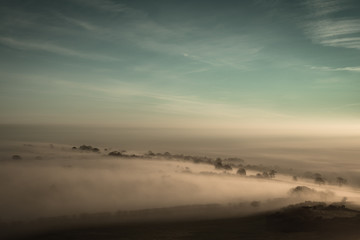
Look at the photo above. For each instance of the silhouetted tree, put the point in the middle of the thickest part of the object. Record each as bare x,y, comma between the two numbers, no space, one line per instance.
95,150
319,180
150,153
85,147
265,175
218,163
272,173
241,171
227,167
301,190
255,203
115,153
16,157
317,175
341,181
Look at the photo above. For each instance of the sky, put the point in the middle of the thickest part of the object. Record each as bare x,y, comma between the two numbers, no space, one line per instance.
181,64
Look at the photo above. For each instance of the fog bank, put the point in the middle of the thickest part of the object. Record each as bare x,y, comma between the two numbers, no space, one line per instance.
54,180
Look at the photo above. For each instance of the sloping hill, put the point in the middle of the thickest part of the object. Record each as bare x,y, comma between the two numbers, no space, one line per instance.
309,220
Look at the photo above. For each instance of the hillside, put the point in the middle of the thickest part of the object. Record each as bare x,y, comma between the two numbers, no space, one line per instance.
309,220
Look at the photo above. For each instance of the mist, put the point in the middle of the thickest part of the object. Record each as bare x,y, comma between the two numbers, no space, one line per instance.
54,180
299,149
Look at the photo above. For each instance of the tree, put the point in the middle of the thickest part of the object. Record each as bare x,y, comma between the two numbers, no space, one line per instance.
167,154
85,147
16,157
227,167
319,180
255,203
272,173
265,175
302,191
317,175
218,163
241,171
150,153
262,175
115,153
341,181
295,178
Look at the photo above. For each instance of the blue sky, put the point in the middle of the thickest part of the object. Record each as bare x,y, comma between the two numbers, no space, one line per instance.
180,63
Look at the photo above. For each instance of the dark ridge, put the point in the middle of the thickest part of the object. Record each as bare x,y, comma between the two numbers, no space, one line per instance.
309,220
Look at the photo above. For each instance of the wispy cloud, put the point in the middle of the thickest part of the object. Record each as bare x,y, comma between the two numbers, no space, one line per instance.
173,39
320,8
52,48
343,108
324,28
136,29
167,104
336,41
335,33
349,69
200,70
81,23
350,105
235,51
104,5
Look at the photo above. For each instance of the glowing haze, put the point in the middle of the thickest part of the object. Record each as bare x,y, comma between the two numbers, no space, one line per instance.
181,64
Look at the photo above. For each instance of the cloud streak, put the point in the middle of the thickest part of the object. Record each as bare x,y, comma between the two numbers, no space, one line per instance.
82,24
176,106
321,8
326,29
52,48
345,106
141,31
104,5
347,69
335,33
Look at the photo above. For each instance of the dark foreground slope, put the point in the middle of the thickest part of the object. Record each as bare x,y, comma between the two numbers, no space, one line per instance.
303,221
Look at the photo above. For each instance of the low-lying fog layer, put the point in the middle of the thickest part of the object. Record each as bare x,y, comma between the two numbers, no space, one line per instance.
54,180
299,149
